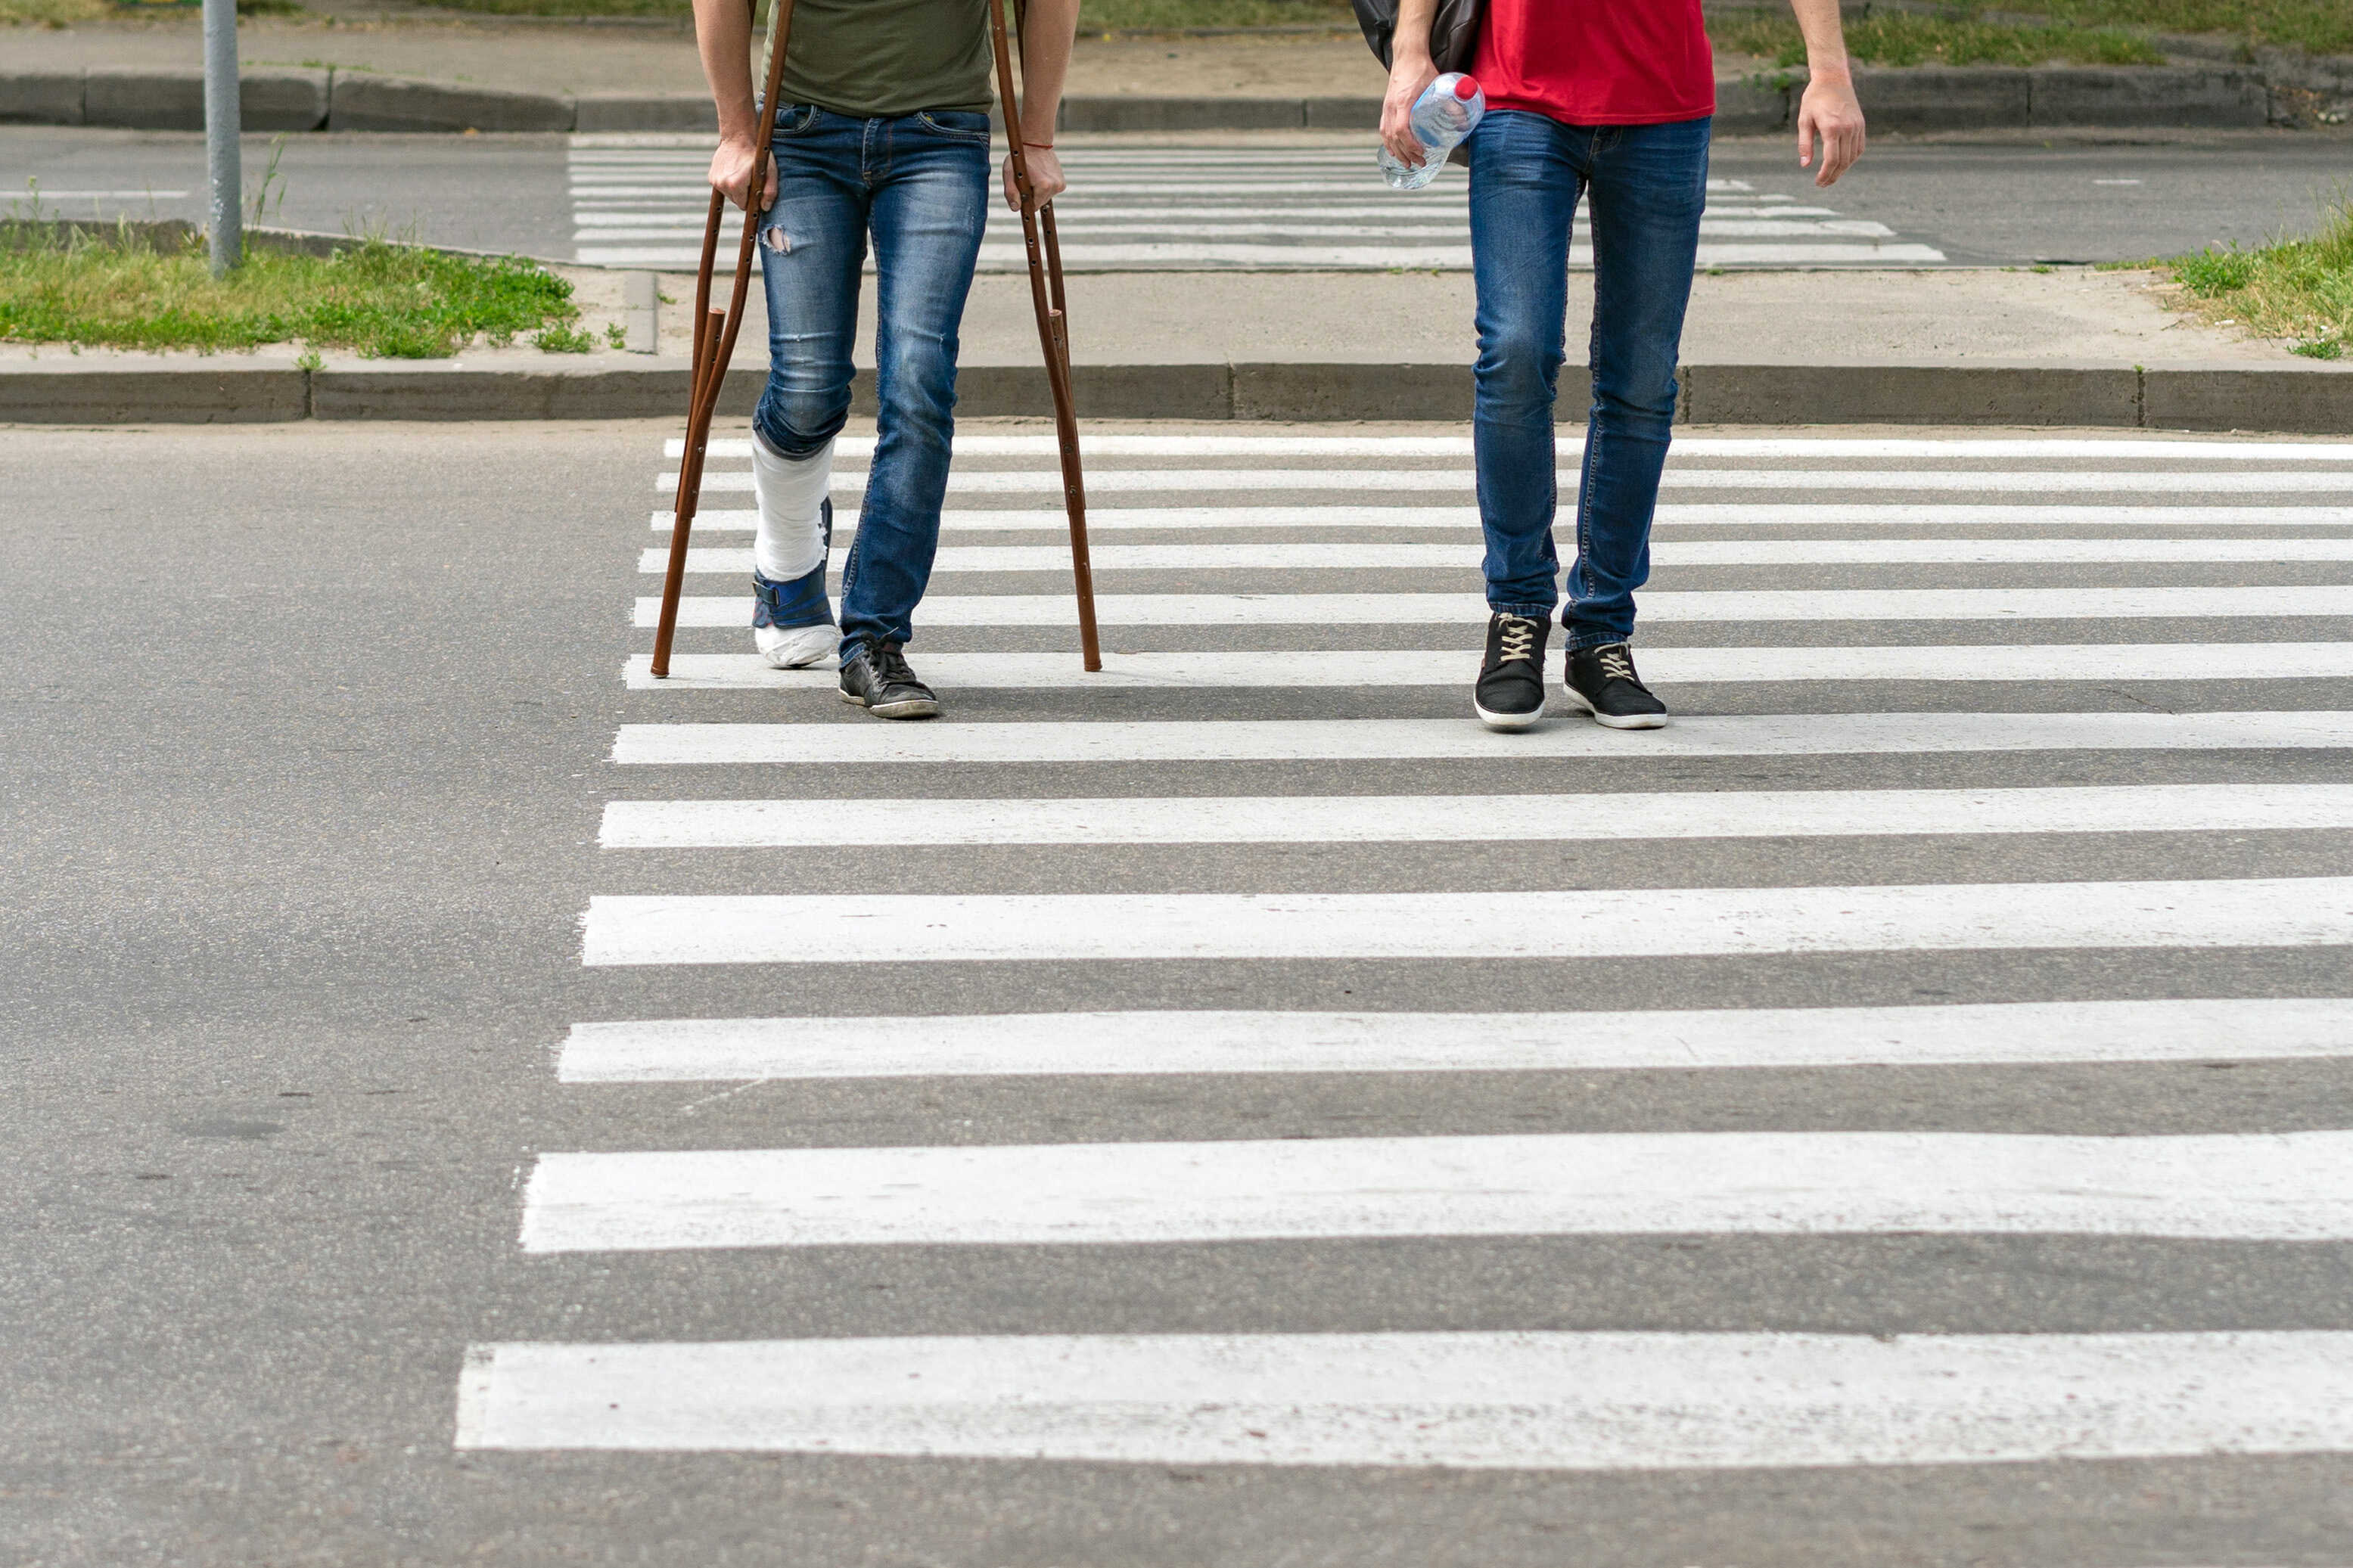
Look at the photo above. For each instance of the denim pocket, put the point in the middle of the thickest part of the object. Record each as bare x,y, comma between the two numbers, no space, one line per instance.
956,125
794,119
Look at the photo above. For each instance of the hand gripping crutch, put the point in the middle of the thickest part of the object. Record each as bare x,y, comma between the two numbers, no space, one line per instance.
714,338
1053,332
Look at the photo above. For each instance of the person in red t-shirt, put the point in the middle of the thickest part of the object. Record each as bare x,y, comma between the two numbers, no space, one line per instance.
1606,101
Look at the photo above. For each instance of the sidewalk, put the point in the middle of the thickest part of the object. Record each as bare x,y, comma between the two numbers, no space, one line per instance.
2067,347
2070,316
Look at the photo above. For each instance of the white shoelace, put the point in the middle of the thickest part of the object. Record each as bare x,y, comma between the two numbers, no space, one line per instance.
1616,665
1518,640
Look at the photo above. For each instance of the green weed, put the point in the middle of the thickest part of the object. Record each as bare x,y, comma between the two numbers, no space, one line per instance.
51,13
2296,289
560,339
2213,273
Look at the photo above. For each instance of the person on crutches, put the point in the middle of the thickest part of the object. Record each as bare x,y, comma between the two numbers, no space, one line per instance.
881,132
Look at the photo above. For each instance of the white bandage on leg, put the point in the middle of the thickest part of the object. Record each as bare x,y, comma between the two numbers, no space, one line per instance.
790,542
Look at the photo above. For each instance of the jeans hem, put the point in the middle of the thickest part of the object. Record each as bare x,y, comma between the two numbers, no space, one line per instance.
1531,612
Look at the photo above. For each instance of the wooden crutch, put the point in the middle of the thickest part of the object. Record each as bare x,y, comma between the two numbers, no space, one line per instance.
1053,332
714,338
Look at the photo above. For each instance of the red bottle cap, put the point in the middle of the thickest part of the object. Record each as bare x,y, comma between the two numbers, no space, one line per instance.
1466,90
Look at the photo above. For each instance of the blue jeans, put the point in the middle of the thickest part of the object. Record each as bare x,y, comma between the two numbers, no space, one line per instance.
1648,185
919,185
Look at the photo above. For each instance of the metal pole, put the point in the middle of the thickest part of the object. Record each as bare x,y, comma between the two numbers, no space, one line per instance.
221,127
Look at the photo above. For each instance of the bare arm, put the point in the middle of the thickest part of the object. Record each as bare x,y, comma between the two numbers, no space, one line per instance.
1047,29
1828,112
1410,71
722,36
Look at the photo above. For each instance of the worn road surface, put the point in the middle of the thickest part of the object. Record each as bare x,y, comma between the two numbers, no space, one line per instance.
467,1104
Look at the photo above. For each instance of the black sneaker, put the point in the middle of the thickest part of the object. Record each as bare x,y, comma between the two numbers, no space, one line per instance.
875,676
1510,693
1602,681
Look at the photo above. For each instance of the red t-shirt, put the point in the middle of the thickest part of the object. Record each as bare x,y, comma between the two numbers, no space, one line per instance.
1598,62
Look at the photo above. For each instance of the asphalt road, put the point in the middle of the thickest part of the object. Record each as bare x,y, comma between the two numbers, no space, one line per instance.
1995,202
309,738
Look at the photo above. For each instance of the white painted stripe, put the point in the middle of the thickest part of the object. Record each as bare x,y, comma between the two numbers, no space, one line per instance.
2247,1187
1090,224
43,194
1077,228
1765,228
1432,609
1367,184
1465,519
1468,818
1439,218
681,219
667,257
1022,481
994,1045
1355,555
1424,217
1588,923
634,186
2024,514
1465,1401
1458,257
1455,667
1127,445
1311,258
1327,740
681,205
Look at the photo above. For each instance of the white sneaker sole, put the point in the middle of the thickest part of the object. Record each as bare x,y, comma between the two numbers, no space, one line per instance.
1506,722
797,647
912,708
1611,722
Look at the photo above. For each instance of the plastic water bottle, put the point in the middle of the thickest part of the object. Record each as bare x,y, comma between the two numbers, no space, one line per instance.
1448,109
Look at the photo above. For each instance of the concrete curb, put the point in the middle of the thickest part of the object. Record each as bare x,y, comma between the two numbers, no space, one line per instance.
1920,99
2317,400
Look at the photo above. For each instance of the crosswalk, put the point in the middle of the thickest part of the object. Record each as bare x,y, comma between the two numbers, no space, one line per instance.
641,200
1991,759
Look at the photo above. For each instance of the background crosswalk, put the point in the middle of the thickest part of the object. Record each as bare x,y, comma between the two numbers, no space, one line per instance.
641,201
1992,760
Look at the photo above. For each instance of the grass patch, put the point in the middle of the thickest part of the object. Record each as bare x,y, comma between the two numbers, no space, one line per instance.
2321,27
2300,290
2087,32
65,12
116,290
51,13
1901,39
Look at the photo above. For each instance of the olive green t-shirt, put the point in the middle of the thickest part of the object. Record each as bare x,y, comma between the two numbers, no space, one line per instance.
870,59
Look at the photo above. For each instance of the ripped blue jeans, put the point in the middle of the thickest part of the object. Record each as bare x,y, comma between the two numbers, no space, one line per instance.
919,185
